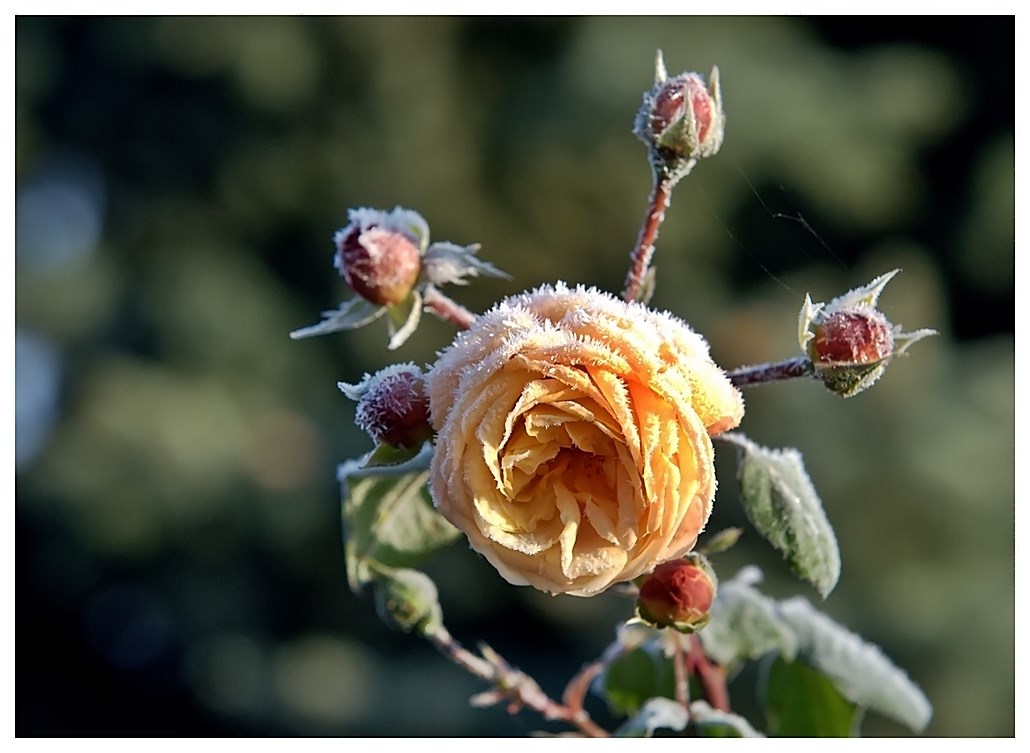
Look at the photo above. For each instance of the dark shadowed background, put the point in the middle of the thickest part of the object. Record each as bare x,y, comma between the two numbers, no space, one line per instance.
179,562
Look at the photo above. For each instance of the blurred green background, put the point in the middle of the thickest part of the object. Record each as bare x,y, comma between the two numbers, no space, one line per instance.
178,181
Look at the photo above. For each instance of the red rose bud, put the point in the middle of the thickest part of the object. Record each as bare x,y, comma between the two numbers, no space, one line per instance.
681,119
853,337
678,594
379,254
849,341
392,406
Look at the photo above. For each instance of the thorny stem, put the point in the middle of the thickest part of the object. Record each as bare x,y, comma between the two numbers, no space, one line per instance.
511,684
437,303
576,691
790,368
712,676
640,259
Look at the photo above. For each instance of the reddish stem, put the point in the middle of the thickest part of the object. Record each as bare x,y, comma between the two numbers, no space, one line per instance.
790,368
437,303
712,676
576,691
510,684
640,259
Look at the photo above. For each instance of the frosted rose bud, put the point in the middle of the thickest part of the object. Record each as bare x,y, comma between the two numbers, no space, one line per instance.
379,254
682,119
573,440
853,337
392,406
678,594
849,341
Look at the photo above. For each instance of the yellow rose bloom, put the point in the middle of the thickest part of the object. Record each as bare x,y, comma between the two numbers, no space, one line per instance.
573,437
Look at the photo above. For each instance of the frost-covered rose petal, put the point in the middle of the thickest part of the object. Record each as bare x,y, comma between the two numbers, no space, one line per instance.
573,437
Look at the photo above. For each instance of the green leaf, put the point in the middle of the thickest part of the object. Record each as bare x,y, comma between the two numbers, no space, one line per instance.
388,516
655,714
715,723
782,505
639,674
745,624
859,670
800,701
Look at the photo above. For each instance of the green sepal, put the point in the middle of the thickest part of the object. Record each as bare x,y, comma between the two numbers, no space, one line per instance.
402,319
849,379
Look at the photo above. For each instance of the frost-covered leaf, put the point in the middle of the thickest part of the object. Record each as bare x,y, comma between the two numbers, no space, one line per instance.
655,714
782,505
858,669
745,623
448,263
357,312
715,723
630,680
800,701
388,516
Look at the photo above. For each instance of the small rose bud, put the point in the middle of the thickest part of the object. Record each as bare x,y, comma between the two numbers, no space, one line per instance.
379,254
855,337
849,341
681,120
392,406
408,600
678,594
